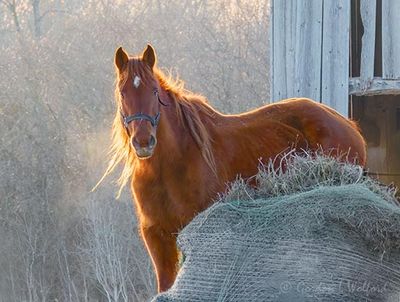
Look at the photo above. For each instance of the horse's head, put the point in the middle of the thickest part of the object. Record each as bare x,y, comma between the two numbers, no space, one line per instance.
139,100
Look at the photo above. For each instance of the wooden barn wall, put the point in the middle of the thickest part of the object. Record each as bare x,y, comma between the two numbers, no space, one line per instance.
375,60
390,39
310,51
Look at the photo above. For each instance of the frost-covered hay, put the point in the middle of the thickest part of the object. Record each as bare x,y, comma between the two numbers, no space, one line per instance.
319,231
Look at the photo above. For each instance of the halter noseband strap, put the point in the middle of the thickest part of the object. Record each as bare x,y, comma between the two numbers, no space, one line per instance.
154,120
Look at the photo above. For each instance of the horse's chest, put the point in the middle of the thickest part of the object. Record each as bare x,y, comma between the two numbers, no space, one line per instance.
171,202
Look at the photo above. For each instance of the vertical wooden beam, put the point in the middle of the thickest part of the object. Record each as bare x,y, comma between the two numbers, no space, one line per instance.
290,51
308,35
390,39
335,55
296,49
271,52
368,17
278,60
283,44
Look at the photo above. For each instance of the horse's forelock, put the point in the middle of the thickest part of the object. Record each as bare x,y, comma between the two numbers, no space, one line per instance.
139,68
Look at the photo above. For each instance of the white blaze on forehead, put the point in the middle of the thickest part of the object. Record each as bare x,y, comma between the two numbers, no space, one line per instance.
136,81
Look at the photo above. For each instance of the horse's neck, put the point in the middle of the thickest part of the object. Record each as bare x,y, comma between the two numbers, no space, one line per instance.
171,137
175,143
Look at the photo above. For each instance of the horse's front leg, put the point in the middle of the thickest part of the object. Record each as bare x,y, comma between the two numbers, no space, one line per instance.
164,254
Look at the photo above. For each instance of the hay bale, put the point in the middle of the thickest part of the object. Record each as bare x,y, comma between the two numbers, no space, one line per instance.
317,231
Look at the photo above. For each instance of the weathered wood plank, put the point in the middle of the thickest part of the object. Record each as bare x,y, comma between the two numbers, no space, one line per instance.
335,55
368,17
307,72
278,61
377,86
390,39
290,37
296,49
272,75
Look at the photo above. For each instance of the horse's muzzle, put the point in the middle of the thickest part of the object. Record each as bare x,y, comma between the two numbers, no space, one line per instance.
146,151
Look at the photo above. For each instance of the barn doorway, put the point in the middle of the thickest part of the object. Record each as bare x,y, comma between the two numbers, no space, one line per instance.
378,115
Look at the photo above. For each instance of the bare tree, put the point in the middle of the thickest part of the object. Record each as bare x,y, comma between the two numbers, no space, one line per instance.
112,254
12,8
29,250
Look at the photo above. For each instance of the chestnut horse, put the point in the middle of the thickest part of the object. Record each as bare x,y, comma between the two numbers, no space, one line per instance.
180,153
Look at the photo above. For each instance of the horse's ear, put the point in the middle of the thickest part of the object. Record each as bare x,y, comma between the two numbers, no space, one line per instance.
121,58
149,56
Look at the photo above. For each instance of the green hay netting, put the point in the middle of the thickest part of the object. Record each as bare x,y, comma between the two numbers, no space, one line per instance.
317,231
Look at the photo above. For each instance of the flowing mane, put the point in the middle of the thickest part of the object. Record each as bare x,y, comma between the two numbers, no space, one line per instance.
190,108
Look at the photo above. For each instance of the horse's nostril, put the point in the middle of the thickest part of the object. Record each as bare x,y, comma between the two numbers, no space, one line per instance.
152,141
135,143
143,144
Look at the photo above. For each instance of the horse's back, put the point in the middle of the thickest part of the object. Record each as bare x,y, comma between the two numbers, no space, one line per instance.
322,126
